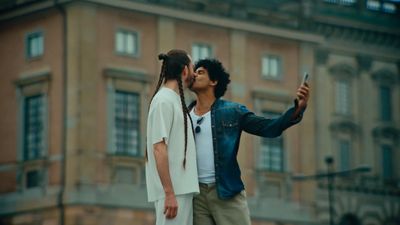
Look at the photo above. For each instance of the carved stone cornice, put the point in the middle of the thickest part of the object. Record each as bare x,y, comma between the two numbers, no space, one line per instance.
384,76
29,78
340,32
343,70
387,131
344,126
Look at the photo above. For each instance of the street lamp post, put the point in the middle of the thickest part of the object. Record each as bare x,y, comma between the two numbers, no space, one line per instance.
331,182
330,175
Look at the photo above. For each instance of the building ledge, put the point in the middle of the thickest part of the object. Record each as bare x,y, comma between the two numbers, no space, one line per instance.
33,77
344,125
276,209
127,74
386,130
377,189
129,196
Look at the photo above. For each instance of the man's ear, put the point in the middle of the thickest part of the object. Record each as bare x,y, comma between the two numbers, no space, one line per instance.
213,83
185,71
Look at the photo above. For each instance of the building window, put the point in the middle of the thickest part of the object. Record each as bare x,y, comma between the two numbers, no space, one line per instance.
33,127
271,67
201,51
271,150
127,43
384,6
343,103
342,2
34,45
127,110
33,179
373,5
386,103
387,162
388,7
344,154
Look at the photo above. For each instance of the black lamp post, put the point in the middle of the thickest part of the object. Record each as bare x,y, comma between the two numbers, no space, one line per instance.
331,181
331,174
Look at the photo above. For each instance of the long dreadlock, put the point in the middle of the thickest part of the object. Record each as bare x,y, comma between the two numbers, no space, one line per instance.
173,64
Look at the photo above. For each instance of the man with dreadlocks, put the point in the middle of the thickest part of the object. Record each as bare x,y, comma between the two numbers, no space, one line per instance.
218,126
171,168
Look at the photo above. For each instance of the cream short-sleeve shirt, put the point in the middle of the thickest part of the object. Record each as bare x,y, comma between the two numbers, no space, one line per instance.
165,122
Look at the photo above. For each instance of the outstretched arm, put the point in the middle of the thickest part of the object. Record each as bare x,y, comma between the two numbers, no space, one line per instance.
271,128
161,157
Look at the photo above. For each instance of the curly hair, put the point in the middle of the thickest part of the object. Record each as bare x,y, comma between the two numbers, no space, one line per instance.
216,72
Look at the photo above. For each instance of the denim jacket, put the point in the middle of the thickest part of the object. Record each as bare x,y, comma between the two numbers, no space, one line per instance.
228,120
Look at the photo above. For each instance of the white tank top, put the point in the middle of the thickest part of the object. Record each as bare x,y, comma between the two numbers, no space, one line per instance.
204,147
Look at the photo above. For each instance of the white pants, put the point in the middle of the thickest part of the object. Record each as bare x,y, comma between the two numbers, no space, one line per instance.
184,215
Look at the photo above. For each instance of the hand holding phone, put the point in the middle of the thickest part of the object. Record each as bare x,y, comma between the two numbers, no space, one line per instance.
305,78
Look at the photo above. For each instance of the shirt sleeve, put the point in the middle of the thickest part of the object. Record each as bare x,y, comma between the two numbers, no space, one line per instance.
160,119
265,127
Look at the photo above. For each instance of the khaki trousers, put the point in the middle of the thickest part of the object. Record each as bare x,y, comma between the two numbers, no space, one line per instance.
208,209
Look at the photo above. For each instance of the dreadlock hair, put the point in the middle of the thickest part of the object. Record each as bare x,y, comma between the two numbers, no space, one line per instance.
172,67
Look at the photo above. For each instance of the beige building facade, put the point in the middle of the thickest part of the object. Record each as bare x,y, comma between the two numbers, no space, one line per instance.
78,76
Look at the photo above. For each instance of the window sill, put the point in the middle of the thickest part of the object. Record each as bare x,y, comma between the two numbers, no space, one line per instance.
132,56
125,158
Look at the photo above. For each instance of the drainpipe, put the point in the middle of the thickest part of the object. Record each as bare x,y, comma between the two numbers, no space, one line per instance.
60,200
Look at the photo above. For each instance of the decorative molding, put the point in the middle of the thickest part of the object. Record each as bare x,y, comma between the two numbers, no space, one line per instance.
343,70
29,78
127,74
344,126
248,25
17,9
370,37
386,131
384,76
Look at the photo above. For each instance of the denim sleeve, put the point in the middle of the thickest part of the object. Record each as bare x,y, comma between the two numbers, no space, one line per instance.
265,127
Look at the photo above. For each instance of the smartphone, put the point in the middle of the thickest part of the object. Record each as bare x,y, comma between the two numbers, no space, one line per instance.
305,78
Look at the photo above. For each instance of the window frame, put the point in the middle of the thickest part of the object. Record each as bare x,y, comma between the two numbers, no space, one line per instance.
25,153
136,44
387,99
32,84
114,138
40,178
271,141
28,37
343,106
384,162
201,45
269,57
340,154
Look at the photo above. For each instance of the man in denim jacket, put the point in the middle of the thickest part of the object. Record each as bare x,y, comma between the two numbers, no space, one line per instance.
218,125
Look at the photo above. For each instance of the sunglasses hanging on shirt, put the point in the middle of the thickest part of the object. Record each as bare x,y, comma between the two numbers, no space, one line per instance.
199,121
